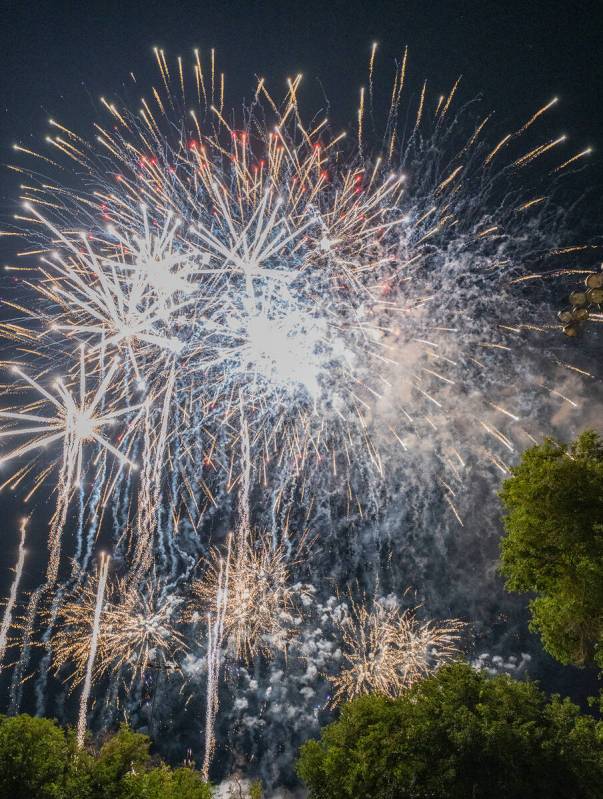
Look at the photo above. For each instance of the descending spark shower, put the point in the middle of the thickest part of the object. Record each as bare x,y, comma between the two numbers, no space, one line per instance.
234,334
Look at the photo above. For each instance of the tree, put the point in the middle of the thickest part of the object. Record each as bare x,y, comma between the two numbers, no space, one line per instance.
38,759
124,769
165,783
554,544
122,754
457,735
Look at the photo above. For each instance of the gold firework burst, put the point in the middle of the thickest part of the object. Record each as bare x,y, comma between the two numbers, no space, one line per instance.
385,649
251,582
137,632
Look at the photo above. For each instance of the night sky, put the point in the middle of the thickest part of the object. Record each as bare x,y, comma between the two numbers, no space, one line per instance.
58,58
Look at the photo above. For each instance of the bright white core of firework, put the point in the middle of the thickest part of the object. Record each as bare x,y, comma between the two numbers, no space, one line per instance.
286,351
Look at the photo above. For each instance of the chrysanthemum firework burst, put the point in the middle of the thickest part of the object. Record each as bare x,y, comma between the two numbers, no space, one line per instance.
251,581
136,632
386,649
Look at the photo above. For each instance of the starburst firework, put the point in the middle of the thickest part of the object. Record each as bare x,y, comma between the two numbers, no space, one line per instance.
76,420
137,632
258,597
385,649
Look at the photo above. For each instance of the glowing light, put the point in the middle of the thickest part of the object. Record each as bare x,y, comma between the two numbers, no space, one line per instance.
12,598
385,649
257,602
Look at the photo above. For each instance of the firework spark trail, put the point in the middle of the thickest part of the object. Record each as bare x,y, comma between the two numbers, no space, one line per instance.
154,452
12,598
45,662
215,636
172,524
244,527
94,498
100,594
59,517
119,505
81,515
144,510
94,515
16,686
160,453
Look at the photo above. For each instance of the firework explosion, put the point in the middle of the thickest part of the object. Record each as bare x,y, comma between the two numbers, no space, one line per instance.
259,599
251,315
386,650
136,632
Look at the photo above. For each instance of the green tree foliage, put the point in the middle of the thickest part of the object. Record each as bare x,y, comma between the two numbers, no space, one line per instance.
165,783
554,544
122,754
39,760
457,735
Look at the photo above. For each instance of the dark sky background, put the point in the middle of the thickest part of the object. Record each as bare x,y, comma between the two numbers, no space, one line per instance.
57,58
60,56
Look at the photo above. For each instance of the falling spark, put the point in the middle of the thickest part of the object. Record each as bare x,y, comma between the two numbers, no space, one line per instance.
12,598
102,581
371,69
215,637
360,118
28,627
